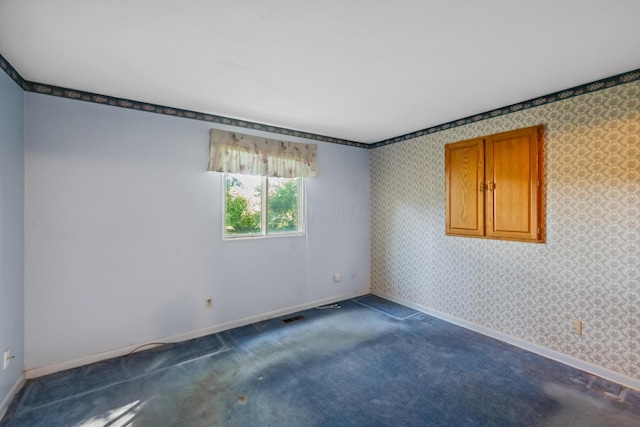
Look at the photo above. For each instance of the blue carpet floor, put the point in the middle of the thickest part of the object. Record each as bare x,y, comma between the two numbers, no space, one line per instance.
369,363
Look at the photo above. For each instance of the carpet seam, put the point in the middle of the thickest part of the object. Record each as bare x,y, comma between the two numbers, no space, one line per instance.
384,312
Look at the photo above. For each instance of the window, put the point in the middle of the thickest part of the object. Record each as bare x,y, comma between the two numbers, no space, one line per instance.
260,206
263,193
494,185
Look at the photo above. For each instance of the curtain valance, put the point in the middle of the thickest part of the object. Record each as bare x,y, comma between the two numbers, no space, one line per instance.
234,152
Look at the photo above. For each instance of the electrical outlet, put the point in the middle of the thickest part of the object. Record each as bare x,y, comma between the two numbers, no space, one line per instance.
208,303
575,326
336,277
6,358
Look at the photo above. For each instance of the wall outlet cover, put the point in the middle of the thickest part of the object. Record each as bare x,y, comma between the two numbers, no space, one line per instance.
575,326
6,358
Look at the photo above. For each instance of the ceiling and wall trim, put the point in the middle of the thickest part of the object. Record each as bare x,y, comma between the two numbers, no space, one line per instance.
80,95
45,89
597,85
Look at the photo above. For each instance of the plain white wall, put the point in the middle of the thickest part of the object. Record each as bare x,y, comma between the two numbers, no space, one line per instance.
123,233
11,231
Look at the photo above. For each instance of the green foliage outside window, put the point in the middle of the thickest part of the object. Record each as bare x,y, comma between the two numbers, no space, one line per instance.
244,201
239,220
283,205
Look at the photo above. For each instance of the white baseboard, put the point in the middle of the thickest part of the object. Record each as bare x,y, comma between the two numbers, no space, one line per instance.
57,367
6,401
630,382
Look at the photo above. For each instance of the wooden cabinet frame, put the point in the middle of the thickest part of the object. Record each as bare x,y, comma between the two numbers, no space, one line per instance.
494,186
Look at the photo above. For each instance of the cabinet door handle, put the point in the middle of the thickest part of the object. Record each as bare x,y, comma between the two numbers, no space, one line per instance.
481,187
492,185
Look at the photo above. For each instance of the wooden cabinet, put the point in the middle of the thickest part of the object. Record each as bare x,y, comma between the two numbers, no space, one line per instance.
464,166
493,186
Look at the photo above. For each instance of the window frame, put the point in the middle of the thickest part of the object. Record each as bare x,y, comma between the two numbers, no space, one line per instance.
264,211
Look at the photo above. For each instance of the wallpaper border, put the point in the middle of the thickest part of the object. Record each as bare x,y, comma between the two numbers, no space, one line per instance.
42,88
606,83
80,95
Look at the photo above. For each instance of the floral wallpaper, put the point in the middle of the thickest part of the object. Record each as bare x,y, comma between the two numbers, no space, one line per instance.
588,269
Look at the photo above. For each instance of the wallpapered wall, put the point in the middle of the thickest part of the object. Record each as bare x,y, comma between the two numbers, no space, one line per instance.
589,267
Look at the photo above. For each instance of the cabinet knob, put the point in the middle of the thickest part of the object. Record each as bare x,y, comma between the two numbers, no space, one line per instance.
492,185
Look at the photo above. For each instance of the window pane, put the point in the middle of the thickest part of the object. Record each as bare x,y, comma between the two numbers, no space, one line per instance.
282,215
243,205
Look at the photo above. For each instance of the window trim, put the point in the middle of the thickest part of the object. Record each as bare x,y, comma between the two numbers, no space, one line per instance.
302,211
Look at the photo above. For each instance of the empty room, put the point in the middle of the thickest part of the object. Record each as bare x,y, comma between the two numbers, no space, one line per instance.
338,213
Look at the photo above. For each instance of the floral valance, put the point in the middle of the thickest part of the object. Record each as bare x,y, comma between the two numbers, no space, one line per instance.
234,152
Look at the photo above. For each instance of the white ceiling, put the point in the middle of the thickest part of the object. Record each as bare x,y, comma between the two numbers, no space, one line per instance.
358,70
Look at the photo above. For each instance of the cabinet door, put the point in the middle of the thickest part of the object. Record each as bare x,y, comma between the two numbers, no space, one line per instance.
464,187
513,185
